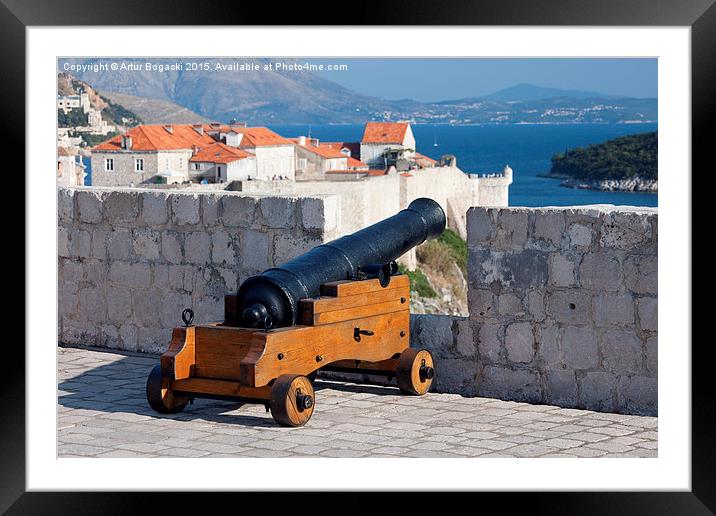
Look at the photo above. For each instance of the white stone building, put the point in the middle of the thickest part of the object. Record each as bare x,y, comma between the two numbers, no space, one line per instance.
384,143
69,102
221,163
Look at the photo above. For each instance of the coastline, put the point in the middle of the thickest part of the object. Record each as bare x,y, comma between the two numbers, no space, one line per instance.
635,184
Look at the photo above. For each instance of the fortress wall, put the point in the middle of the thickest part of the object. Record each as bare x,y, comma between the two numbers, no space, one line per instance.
563,305
130,260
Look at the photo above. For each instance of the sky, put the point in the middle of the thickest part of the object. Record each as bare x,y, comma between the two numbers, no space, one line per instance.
436,79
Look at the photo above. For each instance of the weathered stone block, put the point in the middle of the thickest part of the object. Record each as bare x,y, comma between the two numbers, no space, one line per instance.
548,345
519,342
171,307
70,270
186,209
99,243
432,332
238,211
561,270
92,304
647,308
480,226
128,337
638,395
146,243
130,274
580,236
569,306
489,341
210,204
313,217
597,391
535,303
514,223
621,230
119,244
146,305
224,249
600,271
160,275
549,227
504,383
181,277
612,309
561,388
277,212
254,251
641,274
154,208
121,206
209,309
197,248
172,247
580,348
621,350
527,268
481,303
78,332
80,243
510,305
65,205
89,206
119,304
455,375
462,330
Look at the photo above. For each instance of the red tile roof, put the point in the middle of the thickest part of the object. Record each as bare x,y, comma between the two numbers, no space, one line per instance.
324,150
258,136
219,153
157,137
385,132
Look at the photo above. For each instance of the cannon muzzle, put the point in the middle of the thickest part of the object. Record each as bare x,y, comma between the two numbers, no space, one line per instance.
271,298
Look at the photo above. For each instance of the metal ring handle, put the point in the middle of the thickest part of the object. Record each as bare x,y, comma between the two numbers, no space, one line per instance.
187,316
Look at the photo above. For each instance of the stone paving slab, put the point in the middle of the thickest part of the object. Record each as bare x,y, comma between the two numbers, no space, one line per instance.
102,412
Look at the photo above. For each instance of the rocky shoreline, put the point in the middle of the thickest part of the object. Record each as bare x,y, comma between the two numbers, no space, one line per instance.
634,184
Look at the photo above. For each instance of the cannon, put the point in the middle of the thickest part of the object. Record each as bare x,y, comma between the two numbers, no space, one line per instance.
342,306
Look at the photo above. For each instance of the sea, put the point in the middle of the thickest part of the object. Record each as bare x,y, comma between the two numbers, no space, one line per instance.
484,149
527,149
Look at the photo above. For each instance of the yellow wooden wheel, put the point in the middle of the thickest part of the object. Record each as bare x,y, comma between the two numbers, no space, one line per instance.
292,400
160,396
415,371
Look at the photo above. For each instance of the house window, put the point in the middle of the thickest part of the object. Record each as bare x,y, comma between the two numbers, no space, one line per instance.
139,165
109,165
196,166
181,163
302,162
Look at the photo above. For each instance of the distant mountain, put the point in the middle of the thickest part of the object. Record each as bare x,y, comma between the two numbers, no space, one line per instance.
156,111
223,91
529,92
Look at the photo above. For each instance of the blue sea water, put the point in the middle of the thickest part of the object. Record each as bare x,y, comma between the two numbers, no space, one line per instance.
528,149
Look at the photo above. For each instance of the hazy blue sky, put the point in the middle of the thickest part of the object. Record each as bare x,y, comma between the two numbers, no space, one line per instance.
441,79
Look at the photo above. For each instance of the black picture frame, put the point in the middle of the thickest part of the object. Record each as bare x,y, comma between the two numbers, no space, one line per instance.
17,15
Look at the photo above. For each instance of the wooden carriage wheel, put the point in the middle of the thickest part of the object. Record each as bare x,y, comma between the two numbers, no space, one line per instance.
160,396
292,400
415,371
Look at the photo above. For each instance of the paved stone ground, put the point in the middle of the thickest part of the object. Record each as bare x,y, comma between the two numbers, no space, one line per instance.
102,412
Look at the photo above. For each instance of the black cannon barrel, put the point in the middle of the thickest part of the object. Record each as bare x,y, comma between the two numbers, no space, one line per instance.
271,298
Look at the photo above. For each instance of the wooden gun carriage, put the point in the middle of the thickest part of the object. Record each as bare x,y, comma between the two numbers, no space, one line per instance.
341,306
354,326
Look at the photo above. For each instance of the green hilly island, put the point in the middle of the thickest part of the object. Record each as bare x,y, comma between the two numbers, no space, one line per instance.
628,163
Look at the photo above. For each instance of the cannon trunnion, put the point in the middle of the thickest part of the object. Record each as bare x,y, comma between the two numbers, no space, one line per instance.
258,354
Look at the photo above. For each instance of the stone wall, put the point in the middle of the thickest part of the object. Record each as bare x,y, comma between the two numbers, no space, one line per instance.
131,260
563,305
